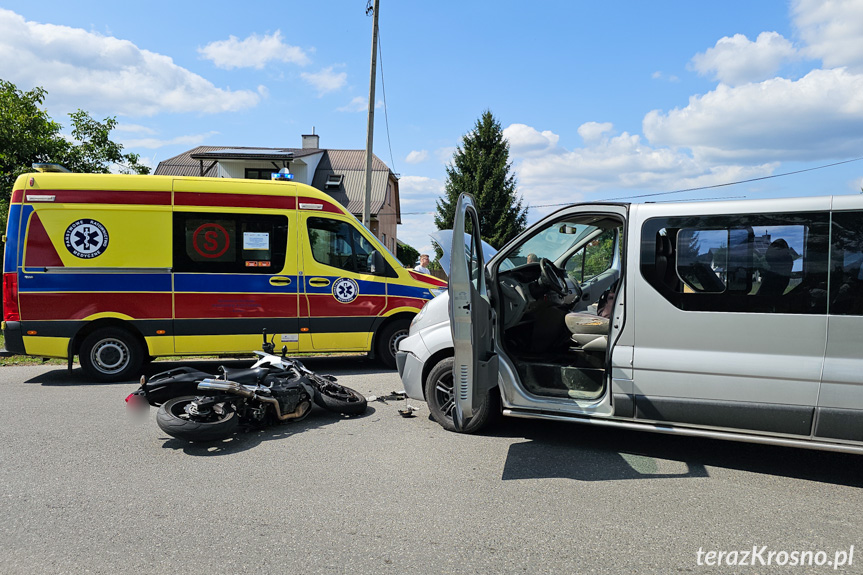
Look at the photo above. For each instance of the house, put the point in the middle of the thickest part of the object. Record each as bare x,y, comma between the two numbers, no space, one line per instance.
339,173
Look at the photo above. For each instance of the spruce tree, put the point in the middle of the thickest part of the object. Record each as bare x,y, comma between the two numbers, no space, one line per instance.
481,167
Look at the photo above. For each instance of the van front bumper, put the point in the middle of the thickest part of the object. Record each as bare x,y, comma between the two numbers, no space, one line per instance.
14,339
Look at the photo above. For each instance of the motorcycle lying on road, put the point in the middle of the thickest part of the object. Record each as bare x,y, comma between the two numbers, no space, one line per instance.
197,406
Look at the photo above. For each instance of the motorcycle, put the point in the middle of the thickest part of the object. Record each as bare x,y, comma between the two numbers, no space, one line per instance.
197,406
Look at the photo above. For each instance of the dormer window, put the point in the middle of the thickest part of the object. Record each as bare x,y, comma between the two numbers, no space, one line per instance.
334,181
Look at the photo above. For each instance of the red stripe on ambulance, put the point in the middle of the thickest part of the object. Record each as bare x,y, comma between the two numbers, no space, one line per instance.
104,197
47,306
203,305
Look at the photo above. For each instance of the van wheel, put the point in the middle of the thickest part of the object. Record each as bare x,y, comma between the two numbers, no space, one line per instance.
111,354
388,341
438,391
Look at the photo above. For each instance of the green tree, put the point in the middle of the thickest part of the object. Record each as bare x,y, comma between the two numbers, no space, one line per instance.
28,135
482,168
407,254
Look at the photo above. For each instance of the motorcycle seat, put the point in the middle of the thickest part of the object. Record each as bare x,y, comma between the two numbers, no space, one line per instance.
245,376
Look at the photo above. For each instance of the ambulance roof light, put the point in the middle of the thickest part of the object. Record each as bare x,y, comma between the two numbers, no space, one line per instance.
283,174
42,167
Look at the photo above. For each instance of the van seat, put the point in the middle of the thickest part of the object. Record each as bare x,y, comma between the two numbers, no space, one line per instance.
589,331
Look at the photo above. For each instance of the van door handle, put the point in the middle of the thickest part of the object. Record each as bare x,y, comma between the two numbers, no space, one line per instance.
280,281
319,282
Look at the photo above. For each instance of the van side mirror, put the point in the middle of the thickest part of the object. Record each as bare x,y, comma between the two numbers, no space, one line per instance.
379,266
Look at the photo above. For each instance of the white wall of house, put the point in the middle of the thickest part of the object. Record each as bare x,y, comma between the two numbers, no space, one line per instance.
303,173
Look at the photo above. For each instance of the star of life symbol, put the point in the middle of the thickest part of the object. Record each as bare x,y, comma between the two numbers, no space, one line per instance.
345,290
86,238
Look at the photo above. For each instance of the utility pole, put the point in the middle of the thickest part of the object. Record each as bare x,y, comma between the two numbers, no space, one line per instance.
367,219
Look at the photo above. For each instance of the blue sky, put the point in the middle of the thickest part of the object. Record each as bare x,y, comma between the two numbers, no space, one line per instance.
599,100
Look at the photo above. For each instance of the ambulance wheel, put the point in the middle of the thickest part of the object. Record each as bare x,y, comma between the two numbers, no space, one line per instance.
389,339
111,354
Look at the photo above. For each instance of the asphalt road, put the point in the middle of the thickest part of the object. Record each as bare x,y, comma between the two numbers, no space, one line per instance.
86,489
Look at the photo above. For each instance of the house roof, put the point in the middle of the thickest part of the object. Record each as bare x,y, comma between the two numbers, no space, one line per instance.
350,164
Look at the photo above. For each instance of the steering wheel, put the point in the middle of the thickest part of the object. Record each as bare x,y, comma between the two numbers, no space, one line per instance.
549,278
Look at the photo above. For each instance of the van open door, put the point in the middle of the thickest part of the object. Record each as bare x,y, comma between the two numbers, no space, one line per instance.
475,370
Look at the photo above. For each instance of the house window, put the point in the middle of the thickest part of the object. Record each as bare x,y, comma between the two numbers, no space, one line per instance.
260,173
389,194
334,181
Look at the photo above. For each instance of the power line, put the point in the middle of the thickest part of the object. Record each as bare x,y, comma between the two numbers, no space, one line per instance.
384,90
684,190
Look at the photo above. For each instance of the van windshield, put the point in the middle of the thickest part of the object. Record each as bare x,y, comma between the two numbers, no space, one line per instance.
555,242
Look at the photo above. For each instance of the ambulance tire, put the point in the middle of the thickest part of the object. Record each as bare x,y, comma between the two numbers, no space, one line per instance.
388,341
111,354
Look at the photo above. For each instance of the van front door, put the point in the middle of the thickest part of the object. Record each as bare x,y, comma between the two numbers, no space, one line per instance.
475,370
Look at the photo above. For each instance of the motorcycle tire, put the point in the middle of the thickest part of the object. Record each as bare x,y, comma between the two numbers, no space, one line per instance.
173,420
341,399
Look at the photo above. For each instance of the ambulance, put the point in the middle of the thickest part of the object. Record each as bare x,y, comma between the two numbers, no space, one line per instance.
120,269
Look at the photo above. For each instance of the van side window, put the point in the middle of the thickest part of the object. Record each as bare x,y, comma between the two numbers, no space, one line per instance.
340,245
229,243
846,272
759,263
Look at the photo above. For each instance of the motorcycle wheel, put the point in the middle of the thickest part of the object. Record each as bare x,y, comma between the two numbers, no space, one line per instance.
334,397
173,420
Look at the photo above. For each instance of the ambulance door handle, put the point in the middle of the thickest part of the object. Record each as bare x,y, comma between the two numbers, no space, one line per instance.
319,282
280,281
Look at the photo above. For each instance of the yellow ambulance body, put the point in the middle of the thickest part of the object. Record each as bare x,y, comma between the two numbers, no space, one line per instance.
119,268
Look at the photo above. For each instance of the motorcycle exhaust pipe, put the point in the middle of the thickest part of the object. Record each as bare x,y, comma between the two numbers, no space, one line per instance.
237,389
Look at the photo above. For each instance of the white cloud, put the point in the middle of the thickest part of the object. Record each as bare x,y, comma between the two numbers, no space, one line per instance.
831,31
154,143
524,140
358,104
253,52
444,155
417,156
737,60
418,199
594,131
326,80
105,74
819,116
134,129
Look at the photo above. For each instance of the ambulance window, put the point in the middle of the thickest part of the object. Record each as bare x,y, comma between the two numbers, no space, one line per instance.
340,245
229,243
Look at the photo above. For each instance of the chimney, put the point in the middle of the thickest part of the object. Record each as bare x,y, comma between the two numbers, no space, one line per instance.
311,141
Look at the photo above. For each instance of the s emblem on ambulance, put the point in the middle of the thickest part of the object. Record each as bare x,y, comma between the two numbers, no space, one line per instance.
86,238
345,290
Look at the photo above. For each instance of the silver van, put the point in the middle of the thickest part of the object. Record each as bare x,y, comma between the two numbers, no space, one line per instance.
733,320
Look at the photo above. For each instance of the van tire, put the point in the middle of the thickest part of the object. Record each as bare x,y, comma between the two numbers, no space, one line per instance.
438,389
388,340
111,354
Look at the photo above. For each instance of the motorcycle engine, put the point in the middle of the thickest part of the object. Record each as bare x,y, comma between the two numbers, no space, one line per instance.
289,395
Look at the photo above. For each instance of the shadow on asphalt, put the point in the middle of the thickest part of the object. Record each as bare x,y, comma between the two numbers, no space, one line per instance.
589,453
335,365
249,439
